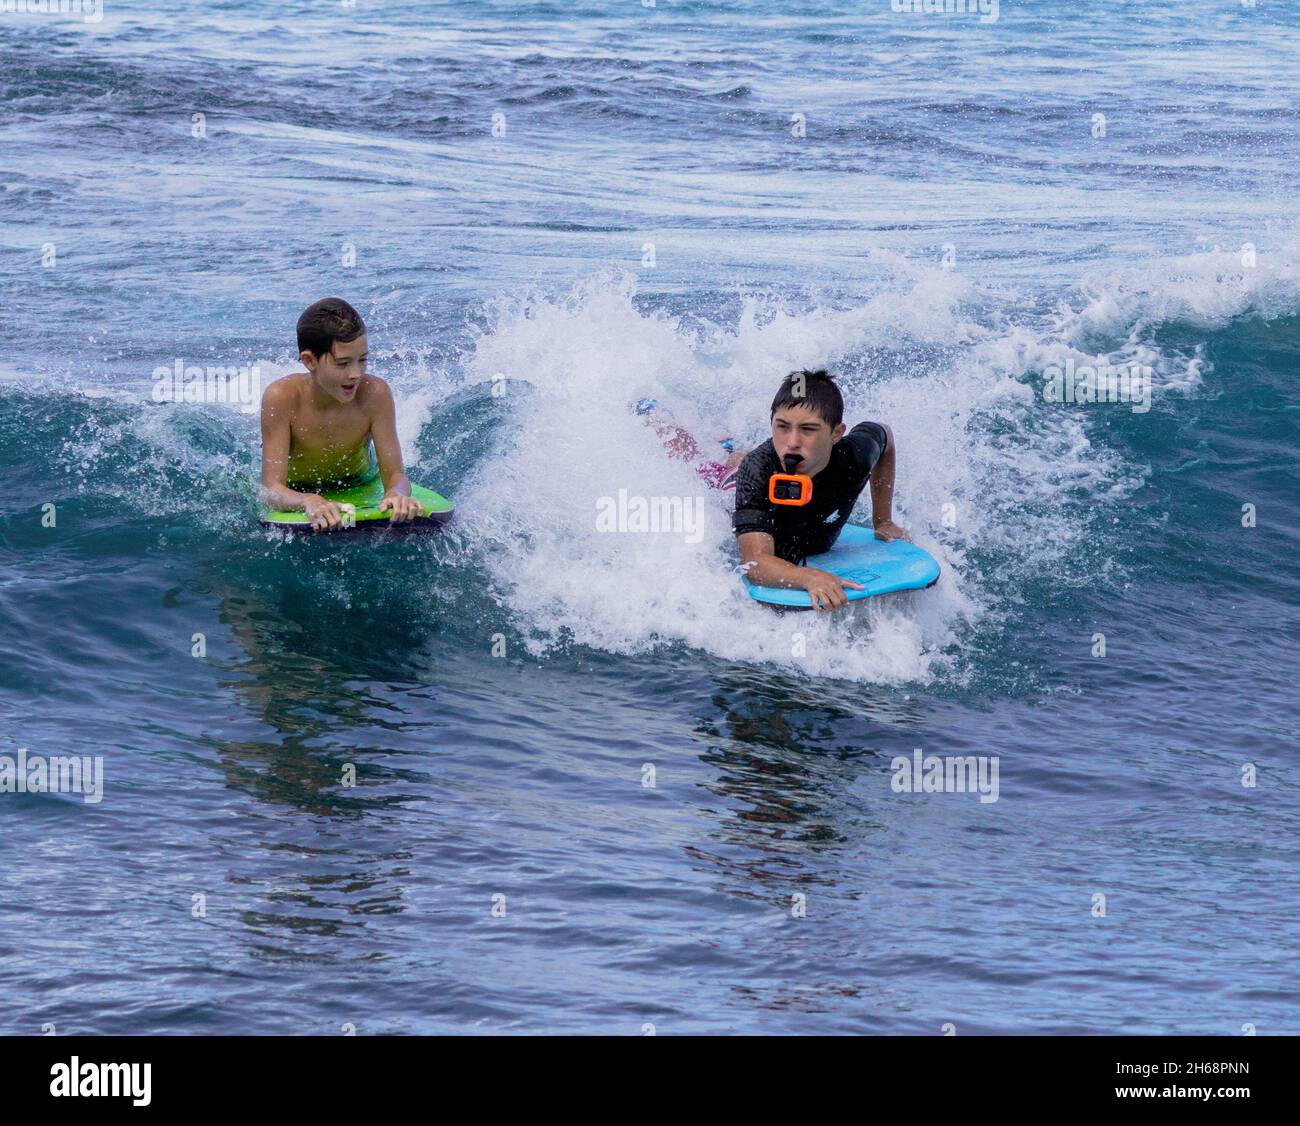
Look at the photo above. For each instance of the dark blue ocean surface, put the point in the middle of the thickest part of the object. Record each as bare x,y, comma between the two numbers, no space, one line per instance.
529,776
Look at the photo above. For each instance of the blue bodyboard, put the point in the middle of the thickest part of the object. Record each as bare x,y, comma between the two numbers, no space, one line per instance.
880,567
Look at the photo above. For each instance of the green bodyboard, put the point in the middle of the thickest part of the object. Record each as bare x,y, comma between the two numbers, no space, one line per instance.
365,498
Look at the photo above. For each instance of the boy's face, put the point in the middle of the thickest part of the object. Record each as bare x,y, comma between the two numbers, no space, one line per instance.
802,431
338,373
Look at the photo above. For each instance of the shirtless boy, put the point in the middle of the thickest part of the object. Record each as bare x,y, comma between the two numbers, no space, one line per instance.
332,426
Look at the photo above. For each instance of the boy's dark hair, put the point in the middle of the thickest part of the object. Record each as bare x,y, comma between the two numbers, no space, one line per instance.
330,319
815,390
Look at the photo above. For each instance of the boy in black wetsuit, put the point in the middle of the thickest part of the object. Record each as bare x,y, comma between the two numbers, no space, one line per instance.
807,422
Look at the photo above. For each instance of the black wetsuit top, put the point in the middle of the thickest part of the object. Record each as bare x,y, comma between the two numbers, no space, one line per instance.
812,528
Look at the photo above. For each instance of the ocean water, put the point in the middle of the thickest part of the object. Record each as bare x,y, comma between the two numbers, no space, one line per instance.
529,777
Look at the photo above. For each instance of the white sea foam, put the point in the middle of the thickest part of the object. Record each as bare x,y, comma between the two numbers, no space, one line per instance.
969,434
1205,289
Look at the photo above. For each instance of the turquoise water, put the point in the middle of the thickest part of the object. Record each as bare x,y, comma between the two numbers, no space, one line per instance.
949,224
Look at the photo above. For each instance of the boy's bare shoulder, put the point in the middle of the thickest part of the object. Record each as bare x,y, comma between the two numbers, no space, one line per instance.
284,393
374,391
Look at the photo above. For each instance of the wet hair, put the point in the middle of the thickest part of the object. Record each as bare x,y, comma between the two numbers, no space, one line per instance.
815,390
331,320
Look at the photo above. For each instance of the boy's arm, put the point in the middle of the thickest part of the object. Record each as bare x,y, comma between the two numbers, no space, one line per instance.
383,430
276,409
764,567
752,520
882,493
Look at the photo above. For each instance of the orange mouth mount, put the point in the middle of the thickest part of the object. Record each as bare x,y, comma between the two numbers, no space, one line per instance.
789,487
